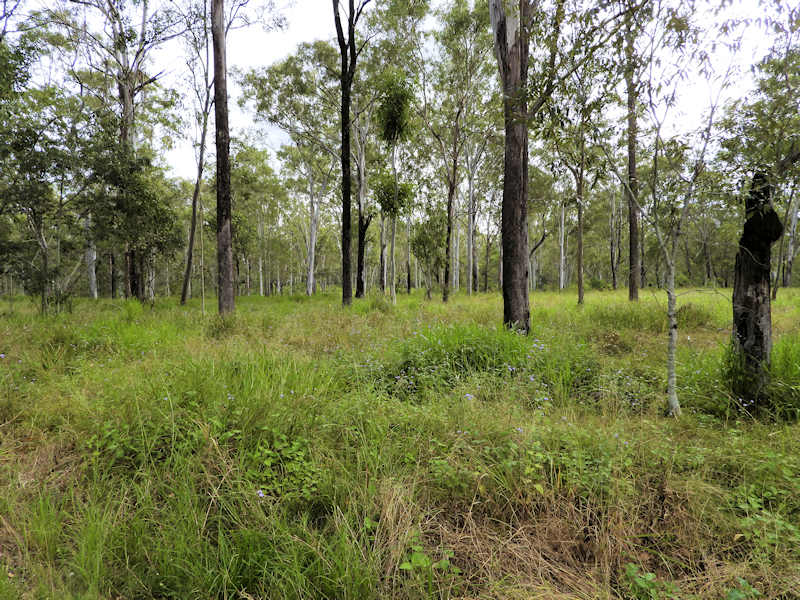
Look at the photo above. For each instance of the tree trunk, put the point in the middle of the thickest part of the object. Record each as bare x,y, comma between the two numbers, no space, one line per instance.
512,54
408,254
225,279
393,282
632,188
580,248
112,269
348,54
456,255
562,252
311,248
260,274
363,218
752,318
198,182
486,267
791,249
672,344
614,248
361,266
91,260
451,193
474,262
383,253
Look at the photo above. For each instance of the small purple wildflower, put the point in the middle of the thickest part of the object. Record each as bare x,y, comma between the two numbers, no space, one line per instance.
518,429
2,355
469,396
260,493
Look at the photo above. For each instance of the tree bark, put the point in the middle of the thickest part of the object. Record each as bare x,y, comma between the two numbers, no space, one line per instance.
393,282
451,194
672,343
511,46
580,248
752,318
408,254
361,266
791,249
613,239
225,269
383,253
348,54
363,218
91,260
562,252
195,195
486,267
632,189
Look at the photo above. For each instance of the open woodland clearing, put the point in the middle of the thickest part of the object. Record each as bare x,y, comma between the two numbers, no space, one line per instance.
305,450
603,405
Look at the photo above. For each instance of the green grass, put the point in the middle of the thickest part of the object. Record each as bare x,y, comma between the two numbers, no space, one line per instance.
303,450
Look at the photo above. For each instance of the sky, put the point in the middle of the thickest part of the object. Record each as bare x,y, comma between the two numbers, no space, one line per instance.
309,20
306,20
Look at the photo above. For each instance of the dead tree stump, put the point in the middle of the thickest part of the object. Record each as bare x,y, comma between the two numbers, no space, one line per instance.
752,317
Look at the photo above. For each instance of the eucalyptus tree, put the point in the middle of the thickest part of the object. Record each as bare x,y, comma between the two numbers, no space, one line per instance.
257,197
298,95
44,183
678,161
315,177
394,121
349,50
116,40
225,271
427,244
575,106
449,80
633,67
520,28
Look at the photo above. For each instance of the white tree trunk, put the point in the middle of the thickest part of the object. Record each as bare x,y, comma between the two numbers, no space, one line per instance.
91,258
393,274
313,225
672,316
562,254
260,275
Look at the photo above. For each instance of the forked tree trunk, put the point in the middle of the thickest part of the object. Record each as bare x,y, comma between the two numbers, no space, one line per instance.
752,318
225,280
348,55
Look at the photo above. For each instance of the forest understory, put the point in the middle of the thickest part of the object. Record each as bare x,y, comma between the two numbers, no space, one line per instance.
302,450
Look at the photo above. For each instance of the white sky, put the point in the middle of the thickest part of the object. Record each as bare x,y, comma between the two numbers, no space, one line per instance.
309,20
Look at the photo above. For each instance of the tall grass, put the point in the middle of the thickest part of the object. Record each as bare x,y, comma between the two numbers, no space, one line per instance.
303,450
